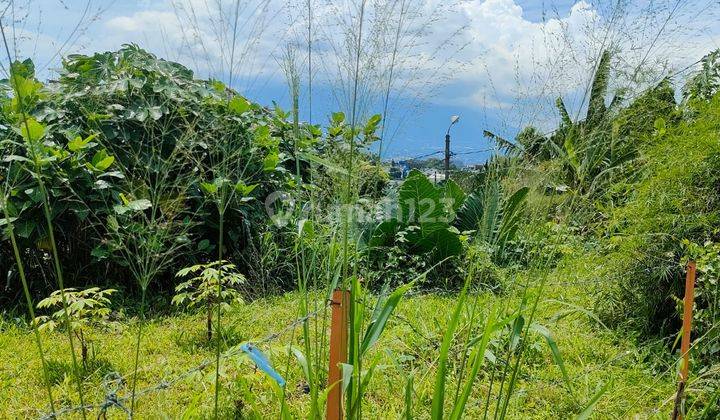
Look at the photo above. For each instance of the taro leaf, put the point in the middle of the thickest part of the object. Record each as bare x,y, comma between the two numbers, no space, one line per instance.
384,234
434,237
447,244
452,195
421,238
419,200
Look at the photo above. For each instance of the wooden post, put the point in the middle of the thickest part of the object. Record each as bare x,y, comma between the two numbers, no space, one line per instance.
338,352
685,345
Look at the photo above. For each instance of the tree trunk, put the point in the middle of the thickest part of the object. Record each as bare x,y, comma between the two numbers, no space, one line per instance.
83,349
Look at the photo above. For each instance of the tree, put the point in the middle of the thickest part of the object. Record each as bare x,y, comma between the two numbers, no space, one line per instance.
87,309
202,288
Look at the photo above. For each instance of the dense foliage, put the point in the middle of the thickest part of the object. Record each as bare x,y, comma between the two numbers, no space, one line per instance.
635,182
131,146
140,169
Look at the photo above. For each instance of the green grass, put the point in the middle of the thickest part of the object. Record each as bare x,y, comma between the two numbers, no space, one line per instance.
171,345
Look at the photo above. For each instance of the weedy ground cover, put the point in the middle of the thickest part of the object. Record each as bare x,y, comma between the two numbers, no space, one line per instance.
593,356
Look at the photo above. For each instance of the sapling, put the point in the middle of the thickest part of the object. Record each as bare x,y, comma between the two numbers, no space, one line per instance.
211,284
86,309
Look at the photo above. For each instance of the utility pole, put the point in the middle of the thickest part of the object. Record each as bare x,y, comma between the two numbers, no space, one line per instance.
453,120
447,156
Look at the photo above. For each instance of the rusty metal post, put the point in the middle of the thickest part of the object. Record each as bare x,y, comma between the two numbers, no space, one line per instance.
338,352
685,344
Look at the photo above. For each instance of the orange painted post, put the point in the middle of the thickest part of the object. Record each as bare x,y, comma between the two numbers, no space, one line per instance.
685,344
338,352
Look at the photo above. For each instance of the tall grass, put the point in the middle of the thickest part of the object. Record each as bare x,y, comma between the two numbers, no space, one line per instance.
7,185
33,139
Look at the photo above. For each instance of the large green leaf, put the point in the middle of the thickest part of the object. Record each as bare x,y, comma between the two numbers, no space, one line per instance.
383,234
452,196
422,239
447,244
419,200
596,106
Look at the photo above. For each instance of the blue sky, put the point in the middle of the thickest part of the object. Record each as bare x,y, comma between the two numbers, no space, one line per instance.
499,64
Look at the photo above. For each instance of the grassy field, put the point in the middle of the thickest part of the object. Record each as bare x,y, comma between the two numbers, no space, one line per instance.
593,356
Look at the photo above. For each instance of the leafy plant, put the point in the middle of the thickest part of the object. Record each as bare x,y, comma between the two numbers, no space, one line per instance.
704,83
707,296
38,156
421,224
491,217
674,201
86,309
211,284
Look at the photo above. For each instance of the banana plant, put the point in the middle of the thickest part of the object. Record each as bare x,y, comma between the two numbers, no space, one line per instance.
492,217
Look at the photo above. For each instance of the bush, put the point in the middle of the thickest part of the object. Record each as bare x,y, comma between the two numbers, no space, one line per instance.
128,139
677,199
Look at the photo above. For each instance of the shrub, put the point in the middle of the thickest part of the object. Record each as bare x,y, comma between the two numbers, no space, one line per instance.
125,128
212,283
677,199
86,309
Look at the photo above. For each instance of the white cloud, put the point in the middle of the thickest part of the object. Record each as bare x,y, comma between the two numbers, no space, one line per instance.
142,21
483,53
519,67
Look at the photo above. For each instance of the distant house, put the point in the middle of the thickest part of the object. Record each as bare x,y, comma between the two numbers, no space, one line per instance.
434,175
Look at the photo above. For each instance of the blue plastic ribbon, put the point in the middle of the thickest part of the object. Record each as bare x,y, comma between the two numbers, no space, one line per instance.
262,362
